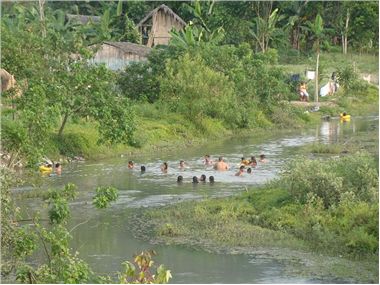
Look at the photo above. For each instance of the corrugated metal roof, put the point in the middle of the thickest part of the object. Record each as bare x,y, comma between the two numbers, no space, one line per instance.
166,10
131,47
84,19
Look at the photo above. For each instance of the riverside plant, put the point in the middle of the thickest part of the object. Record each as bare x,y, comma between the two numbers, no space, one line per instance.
61,264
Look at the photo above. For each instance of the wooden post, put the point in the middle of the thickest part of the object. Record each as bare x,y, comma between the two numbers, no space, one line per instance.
316,80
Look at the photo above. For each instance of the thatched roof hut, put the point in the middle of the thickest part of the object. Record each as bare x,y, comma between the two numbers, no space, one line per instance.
117,55
83,19
155,26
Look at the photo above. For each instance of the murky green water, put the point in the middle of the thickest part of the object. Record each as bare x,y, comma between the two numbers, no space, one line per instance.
106,240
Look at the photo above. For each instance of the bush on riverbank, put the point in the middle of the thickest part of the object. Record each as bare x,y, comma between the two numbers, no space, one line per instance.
330,206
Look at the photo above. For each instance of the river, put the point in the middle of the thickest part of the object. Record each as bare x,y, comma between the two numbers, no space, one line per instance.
105,239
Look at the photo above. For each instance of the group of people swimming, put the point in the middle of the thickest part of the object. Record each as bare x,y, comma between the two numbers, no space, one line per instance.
219,165
47,168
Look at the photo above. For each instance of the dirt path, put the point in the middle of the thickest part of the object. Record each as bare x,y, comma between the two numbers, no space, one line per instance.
312,104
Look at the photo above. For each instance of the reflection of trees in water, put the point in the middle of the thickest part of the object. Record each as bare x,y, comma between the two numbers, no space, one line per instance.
334,132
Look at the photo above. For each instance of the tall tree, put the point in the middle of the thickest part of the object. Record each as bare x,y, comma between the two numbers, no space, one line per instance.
316,28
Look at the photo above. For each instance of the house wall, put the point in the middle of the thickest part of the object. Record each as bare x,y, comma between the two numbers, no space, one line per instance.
114,58
162,25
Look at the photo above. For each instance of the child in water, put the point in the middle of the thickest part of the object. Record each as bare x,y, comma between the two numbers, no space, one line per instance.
164,167
241,171
202,178
130,164
195,180
211,179
253,161
262,158
207,160
58,168
244,161
179,179
182,165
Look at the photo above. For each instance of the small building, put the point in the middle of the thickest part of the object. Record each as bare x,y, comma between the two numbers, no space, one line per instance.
117,55
155,27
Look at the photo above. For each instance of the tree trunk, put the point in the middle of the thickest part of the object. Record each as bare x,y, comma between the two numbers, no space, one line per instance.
42,17
316,79
345,33
60,132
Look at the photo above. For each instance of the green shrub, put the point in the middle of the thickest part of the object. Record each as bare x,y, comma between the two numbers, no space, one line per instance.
73,144
359,241
196,91
329,179
104,196
139,82
360,175
286,115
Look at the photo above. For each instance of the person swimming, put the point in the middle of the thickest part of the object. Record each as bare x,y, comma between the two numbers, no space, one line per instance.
211,179
142,168
58,168
180,179
244,161
262,158
221,165
249,170
203,178
130,164
195,180
253,161
207,160
164,167
182,165
241,171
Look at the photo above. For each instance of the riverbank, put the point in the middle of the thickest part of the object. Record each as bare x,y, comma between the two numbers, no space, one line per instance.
320,214
158,131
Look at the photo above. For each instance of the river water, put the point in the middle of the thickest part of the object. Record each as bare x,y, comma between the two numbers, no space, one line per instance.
105,238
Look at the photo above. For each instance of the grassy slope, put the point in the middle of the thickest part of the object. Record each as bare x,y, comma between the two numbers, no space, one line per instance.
229,225
156,130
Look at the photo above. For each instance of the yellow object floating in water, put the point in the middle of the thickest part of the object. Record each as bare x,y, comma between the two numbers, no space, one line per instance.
45,169
345,118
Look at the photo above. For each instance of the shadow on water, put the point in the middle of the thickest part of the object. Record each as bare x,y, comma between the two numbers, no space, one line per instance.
106,240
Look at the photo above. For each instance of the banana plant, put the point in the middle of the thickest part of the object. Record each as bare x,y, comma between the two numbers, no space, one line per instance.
263,31
197,31
316,28
192,36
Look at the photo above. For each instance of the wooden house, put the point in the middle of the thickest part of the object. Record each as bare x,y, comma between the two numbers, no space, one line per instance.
155,27
117,55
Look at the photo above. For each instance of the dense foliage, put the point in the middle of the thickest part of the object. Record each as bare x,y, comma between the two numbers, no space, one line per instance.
238,79
53,87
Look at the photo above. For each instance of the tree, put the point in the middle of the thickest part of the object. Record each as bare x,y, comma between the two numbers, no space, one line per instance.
316,28
265,30
196,91
114,25
296,20
364,28
87,90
